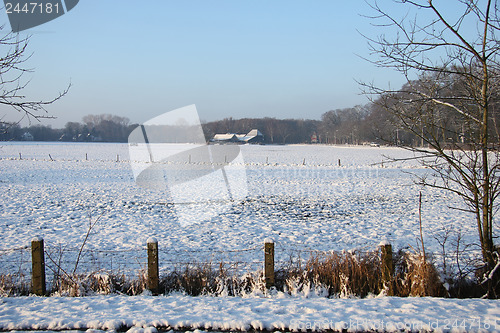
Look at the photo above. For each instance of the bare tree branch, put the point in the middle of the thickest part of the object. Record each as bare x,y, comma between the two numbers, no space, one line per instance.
12,83
450,106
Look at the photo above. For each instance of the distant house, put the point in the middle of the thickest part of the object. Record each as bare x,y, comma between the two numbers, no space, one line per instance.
254,136
27,136
226,138
314,138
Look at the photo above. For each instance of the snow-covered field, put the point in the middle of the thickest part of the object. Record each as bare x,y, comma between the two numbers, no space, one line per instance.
297,195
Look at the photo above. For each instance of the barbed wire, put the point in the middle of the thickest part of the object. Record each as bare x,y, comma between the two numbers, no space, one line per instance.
22,248
260,247
257,247
129,260
77,249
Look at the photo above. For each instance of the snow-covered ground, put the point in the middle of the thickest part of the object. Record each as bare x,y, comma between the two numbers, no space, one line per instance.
147,313
298,195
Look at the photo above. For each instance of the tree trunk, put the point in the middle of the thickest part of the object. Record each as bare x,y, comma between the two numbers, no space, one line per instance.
487,245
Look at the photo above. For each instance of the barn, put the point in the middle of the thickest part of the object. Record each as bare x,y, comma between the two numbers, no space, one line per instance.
253,137
225,138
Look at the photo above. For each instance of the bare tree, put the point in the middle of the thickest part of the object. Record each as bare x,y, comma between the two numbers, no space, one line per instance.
270,128
450,61
108,127
14,55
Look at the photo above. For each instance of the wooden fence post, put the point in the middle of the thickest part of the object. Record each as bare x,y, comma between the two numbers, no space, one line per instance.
269,262
387,267
37,267
153,274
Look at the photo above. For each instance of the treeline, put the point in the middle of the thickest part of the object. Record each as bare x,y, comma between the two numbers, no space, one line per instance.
341,126
275,131
344,126
356,125
337,126
93,128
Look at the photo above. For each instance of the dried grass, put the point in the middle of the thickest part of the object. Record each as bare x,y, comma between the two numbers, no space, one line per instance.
333,274
206,278
14,285
417,276
100,283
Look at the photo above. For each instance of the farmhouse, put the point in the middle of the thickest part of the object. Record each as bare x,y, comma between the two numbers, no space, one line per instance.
254,136
27,136
226,138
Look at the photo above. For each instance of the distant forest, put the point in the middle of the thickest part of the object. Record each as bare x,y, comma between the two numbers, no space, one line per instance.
356,125
337,126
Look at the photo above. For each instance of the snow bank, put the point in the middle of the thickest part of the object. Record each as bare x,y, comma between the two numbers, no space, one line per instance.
388,314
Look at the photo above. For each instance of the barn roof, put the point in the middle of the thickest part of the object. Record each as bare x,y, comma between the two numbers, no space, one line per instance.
238,137
227,136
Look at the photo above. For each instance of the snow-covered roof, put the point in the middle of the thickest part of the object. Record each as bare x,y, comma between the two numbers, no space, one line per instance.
254,133
238,137
227,136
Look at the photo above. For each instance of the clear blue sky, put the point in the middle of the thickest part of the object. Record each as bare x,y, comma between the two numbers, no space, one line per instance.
280,58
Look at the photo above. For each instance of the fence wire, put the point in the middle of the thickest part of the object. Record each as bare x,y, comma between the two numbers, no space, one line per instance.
63,259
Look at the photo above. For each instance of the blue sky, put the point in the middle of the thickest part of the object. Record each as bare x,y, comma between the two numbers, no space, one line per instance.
280,58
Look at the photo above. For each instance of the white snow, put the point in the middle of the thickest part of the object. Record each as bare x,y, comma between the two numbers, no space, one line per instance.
389,314
316,206
297,195
384,242
152,240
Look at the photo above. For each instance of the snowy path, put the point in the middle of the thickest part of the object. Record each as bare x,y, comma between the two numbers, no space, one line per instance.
137,313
